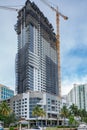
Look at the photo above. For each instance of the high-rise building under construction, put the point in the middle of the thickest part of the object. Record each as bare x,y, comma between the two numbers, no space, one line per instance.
36,59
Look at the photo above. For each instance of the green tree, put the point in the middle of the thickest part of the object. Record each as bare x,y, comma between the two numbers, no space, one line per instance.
42,113
38,112
4,109
6,114
12,118
64,113
83,115
74,110
72,120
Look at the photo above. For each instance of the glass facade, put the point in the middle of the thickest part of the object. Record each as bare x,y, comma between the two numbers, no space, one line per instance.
32,103
5,92
31,77
51,76
31,38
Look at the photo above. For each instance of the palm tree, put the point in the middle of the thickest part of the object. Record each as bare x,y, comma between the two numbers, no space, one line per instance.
64,113
42,113
74,110
4,109
83,114
12,118
71,120
38,112
35,111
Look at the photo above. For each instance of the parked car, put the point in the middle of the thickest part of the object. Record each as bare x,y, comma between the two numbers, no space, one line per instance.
82,126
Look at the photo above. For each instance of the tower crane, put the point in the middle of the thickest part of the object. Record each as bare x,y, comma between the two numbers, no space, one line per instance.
9,8
55,9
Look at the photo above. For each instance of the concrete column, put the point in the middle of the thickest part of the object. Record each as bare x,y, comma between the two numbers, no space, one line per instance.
20,126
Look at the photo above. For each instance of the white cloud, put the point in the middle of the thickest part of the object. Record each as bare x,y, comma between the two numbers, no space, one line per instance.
67,83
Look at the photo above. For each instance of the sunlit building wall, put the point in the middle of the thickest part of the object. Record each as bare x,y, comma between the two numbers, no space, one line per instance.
78,96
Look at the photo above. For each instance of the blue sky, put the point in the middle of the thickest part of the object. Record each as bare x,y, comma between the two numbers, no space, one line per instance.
73,40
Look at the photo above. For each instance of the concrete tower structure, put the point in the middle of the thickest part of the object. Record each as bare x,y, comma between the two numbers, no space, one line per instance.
36,68
36,60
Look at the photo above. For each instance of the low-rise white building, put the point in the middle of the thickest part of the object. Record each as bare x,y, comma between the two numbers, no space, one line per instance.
23,105
64,101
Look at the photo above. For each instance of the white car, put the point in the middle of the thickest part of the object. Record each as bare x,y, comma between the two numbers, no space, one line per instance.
82,126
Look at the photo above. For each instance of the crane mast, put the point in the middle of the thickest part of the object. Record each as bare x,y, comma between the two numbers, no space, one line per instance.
58,51
57,40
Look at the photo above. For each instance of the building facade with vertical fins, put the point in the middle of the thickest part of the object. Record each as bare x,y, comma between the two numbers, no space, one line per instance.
36,59
78,96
